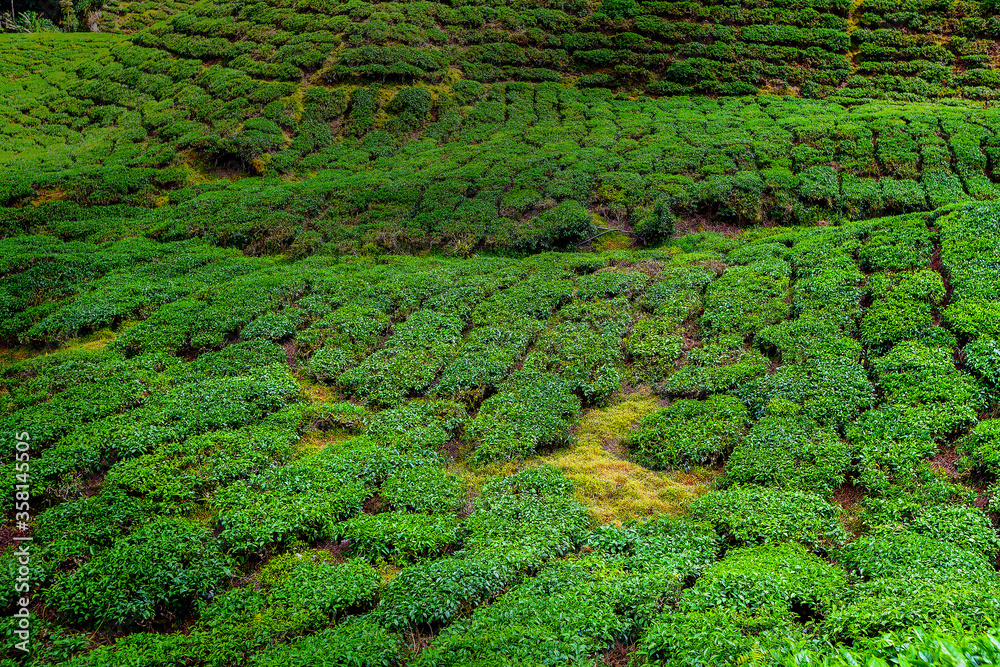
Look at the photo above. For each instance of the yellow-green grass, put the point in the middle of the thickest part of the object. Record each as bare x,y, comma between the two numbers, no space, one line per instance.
89,343
615,489
316,441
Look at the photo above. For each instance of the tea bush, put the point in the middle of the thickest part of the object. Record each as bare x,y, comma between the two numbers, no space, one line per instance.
352,643
537,411
256,356
681,549
717,636
304,499
716,367
161,568
396,536
425,489
790,452
690,432
783,574
746,515
744,301
981,448
518,525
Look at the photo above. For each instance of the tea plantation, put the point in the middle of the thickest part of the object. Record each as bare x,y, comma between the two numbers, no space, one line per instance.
480,333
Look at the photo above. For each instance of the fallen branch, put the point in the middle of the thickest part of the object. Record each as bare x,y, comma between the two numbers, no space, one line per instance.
606,231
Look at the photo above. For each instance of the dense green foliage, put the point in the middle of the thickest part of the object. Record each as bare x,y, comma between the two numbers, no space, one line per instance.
776,364
296,126
300,299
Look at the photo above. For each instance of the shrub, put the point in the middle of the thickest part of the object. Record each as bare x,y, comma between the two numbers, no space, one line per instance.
722,636
983,358
360,642
657,225
908,554
619,9
606,283
745,515
980,449
653,346
904,314
164,567
680,548
783,574
809,336
690,432
587,353
744,301
409,362
915,646
965,527
397,537
544,480
487,356
418,426
833,391
538,297
425,489
434,591
890,441
570,604
305,499
519,523
942,397
556,228
912,580
898,244
77,529
677,293
411,107
974,317
299,583
537,410
715,367
272,326
790,452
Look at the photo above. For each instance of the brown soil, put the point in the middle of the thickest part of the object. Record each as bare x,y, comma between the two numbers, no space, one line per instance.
7,534
848,496
703,222
418,639
291,353
92,485
451,449
619,654
336,549
945,459
376,505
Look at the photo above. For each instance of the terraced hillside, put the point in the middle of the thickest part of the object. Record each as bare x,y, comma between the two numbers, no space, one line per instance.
502,334
817,47
420,125
310,448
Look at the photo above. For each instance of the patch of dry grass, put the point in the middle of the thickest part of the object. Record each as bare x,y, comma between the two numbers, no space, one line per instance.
12,355
89,343
316,441
475,477
615,489
95,341
315,391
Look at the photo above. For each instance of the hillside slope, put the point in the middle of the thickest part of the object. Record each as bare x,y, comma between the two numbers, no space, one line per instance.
498,114
502,334
317,434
